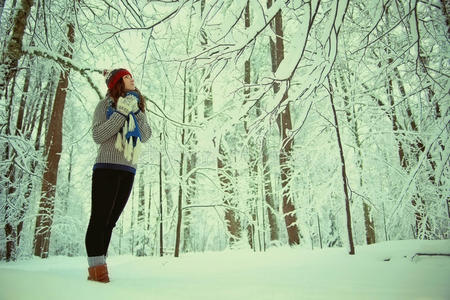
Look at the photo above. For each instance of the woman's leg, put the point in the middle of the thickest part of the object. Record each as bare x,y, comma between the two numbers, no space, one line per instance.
105,187
123,193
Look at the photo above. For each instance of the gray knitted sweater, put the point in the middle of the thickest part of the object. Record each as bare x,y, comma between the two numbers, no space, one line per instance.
104,132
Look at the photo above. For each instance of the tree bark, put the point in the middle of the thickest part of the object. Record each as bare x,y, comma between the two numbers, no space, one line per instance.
14,45
207,89
253,152
446,15
191,163
141,216
268,194
11,202
284,125
29,129
191,160
148,220
53,148
225,175
180,186
161,237
132,198
20,116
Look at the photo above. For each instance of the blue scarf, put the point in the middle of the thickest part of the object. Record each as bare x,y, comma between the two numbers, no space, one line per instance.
130,134
134,134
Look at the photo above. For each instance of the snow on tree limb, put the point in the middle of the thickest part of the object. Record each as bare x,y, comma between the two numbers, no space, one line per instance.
219,51
414,172
162,20
66,62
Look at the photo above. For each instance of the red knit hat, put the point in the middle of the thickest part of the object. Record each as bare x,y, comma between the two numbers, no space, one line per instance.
112,76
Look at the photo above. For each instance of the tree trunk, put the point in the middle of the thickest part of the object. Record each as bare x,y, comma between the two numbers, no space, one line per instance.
132,221
33,108
191,159
191,164
191,154
20,116
10,230
225,175
167,191
37,146
49,110
206,89
161,237
344,173
53,148
11,201
284,125
148,221
141,216
446,15
14,45
253,152
181,184
2,6
47,96
268,193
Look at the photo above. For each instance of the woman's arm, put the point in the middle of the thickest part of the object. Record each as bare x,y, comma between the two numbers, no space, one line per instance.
103,129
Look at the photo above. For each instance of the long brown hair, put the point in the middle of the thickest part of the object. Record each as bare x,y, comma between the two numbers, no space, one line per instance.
118,90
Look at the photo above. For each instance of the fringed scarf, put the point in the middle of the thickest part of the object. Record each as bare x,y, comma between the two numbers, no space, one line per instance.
129,137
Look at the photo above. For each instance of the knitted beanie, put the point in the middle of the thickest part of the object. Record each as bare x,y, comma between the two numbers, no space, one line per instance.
112,76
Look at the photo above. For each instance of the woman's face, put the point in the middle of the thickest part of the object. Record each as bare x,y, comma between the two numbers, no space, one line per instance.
129,82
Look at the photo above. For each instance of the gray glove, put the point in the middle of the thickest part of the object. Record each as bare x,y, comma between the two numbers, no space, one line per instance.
125,105
134,102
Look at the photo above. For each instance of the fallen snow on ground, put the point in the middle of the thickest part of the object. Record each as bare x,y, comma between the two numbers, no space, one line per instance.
388,270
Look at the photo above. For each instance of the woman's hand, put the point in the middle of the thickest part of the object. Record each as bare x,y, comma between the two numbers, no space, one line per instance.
125,105
135,96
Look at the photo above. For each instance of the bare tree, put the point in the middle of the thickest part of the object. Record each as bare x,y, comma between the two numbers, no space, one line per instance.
181,183
352,119
344,172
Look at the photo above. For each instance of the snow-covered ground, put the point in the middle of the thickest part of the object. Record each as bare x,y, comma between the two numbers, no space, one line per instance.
383,271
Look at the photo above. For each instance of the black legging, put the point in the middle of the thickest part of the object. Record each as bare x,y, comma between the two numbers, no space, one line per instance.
110,192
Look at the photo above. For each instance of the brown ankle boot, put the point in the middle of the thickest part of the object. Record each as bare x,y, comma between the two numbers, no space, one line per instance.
98,273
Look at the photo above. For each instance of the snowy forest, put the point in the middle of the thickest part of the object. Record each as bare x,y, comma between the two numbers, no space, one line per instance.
317,124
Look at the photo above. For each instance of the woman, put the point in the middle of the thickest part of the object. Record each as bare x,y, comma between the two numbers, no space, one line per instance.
119,126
